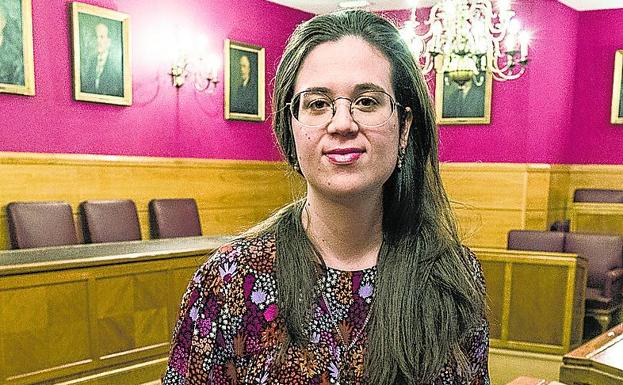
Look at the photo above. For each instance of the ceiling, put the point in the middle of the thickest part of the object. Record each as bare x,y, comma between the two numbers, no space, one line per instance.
324,6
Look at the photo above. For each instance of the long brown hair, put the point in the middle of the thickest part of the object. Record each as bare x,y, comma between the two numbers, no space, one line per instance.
426,299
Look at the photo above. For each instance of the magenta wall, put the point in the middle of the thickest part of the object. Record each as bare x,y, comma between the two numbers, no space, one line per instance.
163,120
530,116
593,139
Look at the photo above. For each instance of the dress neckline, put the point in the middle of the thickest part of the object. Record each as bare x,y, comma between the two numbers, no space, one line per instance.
339,271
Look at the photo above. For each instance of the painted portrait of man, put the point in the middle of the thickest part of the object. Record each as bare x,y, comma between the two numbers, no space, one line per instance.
101,60
244,92
11,43
463,101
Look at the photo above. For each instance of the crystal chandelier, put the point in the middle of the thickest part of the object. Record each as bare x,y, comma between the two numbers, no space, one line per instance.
466,38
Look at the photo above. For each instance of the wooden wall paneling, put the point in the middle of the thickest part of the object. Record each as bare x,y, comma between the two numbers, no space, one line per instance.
594,176
558,192
586,217
492,198
231,195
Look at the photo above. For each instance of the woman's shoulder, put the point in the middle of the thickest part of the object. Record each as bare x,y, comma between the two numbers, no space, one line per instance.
474,267
241,256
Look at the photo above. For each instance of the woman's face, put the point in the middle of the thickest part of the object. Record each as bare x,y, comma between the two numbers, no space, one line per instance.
343,158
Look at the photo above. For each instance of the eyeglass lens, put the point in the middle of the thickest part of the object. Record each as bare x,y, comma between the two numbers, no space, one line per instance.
315,109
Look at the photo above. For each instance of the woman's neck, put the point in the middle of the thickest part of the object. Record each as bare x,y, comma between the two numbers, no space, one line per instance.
347,233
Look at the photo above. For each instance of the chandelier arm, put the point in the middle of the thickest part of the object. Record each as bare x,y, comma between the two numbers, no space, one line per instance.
505,77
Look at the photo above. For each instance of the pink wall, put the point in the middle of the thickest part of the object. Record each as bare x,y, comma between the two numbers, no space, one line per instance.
593,138
558,112
530,116
163,120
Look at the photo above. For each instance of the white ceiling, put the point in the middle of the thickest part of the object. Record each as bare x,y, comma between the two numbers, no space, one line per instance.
324,6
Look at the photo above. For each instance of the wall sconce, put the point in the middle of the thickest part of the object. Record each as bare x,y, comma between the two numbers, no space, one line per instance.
192,60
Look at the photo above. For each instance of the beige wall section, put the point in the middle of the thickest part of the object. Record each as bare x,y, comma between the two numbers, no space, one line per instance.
597,218
594,176
492,198
489,198
231,195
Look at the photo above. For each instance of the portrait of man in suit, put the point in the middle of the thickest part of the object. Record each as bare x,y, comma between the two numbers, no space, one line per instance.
244,93
463,101
11,44
621,98
101,64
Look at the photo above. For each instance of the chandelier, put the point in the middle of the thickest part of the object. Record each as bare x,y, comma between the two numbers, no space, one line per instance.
466,38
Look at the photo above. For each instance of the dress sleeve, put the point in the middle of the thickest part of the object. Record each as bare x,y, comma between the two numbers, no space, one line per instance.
199,351
478,354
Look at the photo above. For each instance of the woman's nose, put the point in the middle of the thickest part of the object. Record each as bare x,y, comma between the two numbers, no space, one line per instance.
342,122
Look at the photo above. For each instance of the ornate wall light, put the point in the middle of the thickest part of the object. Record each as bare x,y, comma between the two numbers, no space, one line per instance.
192,60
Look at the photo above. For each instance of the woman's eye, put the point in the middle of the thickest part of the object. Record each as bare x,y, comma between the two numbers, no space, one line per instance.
318,104
366,102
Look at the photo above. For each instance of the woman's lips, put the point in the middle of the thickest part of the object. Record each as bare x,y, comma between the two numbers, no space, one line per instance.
343,155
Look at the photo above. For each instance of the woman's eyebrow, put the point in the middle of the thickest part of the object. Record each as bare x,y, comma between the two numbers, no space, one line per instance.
324,90
368,87
359,88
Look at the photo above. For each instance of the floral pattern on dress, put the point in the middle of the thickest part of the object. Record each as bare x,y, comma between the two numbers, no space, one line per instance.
230,331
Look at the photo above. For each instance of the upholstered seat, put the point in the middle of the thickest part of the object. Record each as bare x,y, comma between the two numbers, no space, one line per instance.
598,196
533,240
605,272
109,221
171,218
40,224
594,299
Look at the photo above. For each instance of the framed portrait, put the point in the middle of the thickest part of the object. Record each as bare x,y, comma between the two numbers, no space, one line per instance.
102,69
468,103
616,112
244,81
17,70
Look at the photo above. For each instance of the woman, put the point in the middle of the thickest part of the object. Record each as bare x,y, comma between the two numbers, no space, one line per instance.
364,280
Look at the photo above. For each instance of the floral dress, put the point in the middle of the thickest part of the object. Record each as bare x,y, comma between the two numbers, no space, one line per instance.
229,330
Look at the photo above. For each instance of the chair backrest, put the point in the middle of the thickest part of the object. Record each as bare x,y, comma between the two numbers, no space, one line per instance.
603,252
109,221
598,196
534,240
171,218
40,224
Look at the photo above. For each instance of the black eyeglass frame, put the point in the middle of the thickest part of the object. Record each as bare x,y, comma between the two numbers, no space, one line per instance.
393,103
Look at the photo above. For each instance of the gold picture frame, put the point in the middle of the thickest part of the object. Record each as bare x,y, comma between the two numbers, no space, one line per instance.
467,104
616,110
244,98
102,70
17,68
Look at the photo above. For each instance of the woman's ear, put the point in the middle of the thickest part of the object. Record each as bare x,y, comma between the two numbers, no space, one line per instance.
404,135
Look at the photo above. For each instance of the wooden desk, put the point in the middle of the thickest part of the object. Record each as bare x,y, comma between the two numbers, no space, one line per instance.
536,299
532,381
597,362
99,314
603,218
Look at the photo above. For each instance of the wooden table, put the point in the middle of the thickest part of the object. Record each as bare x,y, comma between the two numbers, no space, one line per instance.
597,362
96,314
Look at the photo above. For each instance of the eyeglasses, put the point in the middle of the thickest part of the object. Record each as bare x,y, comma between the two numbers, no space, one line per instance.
316,109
